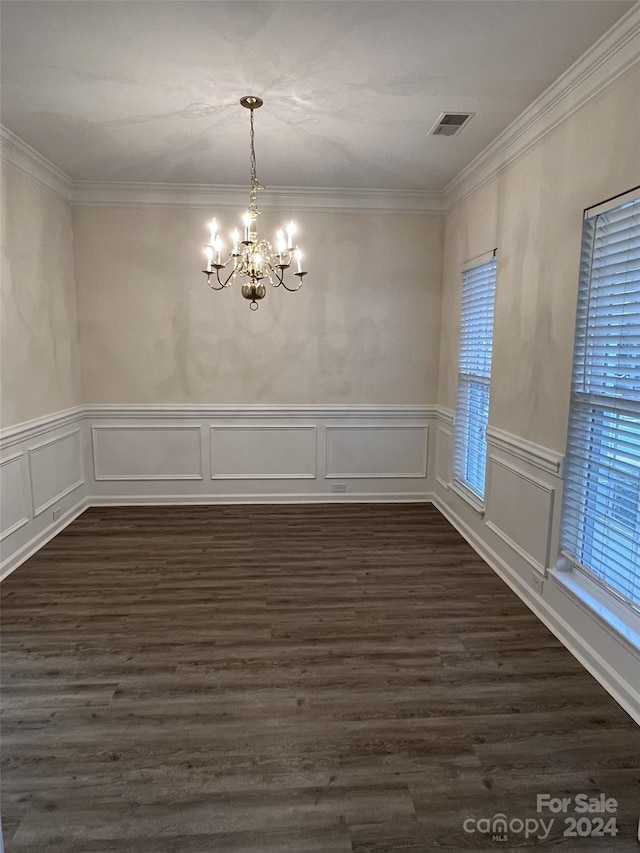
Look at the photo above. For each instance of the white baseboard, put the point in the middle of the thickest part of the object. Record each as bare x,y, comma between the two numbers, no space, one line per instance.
221,500
35,543
624,694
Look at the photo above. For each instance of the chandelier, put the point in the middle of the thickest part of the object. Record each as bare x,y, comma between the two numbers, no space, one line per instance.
252,259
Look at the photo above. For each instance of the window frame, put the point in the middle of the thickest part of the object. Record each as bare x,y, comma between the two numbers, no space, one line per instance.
595,416
474,285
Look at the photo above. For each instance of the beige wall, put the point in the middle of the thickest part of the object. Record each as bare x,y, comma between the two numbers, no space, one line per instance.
363,329
532,213
366,328
40,371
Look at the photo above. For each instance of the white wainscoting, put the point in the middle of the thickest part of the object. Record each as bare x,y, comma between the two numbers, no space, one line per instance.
519,509
227,453
444,455
518,534
42,482
15,509
55,469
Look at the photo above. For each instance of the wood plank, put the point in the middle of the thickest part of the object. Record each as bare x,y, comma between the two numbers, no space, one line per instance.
288,679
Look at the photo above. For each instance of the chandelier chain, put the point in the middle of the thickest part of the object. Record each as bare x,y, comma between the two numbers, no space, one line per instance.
255,183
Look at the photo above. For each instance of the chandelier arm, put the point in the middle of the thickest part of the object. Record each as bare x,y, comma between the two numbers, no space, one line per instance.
227,282
300,275
222,284
279,273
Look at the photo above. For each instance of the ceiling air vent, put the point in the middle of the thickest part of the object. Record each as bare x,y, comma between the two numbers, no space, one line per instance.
450,123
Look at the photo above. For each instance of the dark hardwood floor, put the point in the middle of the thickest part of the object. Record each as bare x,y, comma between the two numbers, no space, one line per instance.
290,679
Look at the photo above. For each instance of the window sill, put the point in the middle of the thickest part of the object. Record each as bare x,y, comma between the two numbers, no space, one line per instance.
468,496
623,621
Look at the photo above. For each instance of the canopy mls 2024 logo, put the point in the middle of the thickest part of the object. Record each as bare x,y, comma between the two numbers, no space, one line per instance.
578,816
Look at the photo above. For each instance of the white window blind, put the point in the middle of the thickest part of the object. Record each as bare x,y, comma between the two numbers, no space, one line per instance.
601,506
474,375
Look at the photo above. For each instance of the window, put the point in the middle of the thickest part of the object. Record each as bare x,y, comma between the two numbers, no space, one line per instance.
601,509
474,375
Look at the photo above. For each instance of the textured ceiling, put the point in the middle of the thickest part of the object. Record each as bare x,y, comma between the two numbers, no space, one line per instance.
148,91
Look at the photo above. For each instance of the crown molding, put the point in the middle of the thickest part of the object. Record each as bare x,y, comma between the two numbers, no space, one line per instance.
132,194
26,160
613,54
29,162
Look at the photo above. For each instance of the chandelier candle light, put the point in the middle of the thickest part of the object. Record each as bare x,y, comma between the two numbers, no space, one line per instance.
251,258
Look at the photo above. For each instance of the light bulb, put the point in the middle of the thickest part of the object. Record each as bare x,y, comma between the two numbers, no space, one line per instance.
217,245
247,226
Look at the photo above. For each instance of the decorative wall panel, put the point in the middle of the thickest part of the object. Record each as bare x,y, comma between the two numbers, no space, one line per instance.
376,451
147,452
55,468
263,452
